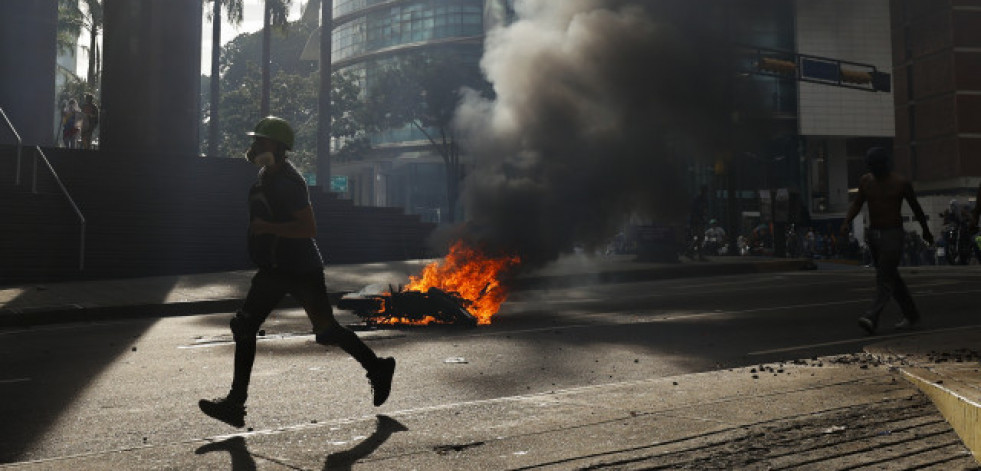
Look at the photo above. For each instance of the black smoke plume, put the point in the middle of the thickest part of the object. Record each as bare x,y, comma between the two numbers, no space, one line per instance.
599,107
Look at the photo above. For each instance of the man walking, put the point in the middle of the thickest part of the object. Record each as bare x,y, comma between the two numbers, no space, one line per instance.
91,111
282,245
885,191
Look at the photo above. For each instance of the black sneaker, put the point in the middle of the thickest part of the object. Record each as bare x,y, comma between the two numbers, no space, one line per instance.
908,323
381,379
868,325
224,409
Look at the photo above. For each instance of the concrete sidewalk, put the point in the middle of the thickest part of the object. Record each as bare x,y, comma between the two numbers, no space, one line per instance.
836,412
825,413
946,366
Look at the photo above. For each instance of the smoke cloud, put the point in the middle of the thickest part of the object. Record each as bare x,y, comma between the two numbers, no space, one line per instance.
598,108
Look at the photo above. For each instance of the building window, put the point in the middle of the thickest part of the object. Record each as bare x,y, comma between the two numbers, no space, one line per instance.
406,23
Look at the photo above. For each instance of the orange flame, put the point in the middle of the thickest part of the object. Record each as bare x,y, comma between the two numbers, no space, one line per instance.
403,321
470,274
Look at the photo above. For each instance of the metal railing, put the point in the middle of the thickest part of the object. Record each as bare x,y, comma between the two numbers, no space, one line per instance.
20,144
71,201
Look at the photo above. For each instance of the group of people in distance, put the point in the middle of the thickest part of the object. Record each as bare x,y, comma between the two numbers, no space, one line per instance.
78,123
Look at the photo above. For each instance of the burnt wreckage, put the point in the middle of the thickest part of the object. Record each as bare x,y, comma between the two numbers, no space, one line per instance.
377,306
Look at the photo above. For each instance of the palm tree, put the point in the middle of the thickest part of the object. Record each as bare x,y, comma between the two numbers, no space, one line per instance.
70,23
234,8
276,13
94,21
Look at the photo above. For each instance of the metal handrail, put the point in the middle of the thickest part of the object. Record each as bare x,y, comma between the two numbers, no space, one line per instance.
20,143
64,191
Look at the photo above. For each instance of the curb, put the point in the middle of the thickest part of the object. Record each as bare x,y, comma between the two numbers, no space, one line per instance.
961,412
78,313
675,271
48,315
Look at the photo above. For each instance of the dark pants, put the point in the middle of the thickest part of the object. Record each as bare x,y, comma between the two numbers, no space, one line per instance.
268,289
887,251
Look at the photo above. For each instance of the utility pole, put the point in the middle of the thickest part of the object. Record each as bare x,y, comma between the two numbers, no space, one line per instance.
323,102
266,40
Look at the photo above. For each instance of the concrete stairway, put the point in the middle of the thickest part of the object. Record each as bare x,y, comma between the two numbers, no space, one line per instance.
154,215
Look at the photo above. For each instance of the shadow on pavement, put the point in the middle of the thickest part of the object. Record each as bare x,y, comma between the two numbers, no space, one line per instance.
48,377
343,460
242,459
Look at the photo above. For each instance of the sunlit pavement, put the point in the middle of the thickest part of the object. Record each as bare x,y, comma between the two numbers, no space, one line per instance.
814,412
835,414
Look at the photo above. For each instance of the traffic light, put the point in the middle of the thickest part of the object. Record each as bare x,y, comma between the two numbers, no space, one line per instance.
777,66
855,76
881,81
878,81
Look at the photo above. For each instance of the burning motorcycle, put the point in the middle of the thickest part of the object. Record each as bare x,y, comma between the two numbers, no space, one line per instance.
465,287
377,306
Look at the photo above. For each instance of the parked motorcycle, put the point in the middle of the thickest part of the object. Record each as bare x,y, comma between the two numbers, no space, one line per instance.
960,244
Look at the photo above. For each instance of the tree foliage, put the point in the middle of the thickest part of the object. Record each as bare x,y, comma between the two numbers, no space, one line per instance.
72,20
293,96
424,91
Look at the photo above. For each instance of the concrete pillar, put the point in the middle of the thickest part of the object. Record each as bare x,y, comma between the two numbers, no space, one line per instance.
28,52
151,77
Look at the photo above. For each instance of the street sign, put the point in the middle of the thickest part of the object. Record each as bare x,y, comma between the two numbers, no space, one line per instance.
816,69
819,70
338,183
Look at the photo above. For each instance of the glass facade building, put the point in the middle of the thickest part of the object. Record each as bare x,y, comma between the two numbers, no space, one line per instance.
405,24
371,35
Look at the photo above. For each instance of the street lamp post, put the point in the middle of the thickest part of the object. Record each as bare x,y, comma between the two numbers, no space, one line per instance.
323,102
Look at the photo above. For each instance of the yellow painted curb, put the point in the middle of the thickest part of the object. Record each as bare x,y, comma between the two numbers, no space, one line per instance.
961,413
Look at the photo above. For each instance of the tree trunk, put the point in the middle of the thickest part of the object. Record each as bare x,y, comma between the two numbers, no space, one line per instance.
215,91
450,153
266,44
92,52
454,173
451,160
98,66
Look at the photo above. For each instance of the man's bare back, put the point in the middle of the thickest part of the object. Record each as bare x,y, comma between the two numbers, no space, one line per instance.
885,195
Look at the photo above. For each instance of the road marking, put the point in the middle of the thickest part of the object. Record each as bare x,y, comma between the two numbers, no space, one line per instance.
208,343
548,396
862,339
15,380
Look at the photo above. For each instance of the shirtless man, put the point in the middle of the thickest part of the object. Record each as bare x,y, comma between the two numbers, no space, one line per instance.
885,192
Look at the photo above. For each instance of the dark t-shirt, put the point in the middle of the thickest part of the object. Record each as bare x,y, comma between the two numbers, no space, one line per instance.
92,112
275,197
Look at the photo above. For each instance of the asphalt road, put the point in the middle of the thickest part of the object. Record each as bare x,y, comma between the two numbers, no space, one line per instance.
92,387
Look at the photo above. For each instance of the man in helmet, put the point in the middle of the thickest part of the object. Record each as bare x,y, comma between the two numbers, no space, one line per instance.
885,191
281,243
